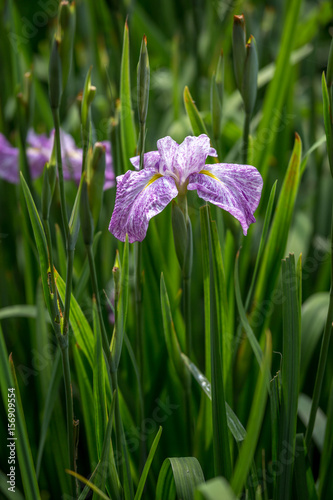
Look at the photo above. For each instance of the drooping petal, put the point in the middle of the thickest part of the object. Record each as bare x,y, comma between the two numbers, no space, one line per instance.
9,169
167,149
140,196
150,159
234,188
191,155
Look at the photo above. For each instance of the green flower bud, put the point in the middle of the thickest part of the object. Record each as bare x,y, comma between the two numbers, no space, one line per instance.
219,77
49,182
55,75
143,79
87,97
87,223
74,221
116,272
239,50
96,176
66,32
216,109
250,77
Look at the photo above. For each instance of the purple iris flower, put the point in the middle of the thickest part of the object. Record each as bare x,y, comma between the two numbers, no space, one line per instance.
39,150
171,171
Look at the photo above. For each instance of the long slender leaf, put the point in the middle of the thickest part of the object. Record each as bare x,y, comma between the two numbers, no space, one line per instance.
278,235
277,92
303,478
247,450
80,326
235,426
290,372
193,114
20,438
326,462
99,379
146,468
52,395
40,240
179,476
222,460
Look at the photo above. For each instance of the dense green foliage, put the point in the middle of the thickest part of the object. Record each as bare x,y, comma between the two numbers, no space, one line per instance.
153,414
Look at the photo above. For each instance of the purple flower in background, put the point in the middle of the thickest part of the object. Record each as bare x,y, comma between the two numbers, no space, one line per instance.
172,170
39,150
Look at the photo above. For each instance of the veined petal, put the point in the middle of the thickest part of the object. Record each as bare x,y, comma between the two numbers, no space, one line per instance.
150,159
234,188
140,196
167,149
191,155
9,169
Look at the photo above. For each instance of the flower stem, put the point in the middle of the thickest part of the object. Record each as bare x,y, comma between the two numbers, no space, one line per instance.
56,121
63,339
140,338
93,275
322,357
246,133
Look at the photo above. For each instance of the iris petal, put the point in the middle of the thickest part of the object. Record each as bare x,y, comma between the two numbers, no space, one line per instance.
234,188
140,196
191,155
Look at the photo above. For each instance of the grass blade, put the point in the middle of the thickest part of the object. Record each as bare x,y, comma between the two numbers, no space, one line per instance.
179,477
235,426
40,240
247,450
146,468
277,239
22,446
277,91
290,372
222,460
197,124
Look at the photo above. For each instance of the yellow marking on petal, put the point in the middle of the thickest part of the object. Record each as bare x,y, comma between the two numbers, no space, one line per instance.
153,179
206,172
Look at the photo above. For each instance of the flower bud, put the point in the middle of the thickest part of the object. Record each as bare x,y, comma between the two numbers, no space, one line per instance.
239,51
143,79
88,95
219,77
49,181
216,109
250,76
74,221
66,32
87,223
55,75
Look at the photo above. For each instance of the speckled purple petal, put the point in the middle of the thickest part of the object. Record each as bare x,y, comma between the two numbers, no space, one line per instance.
191,155
167,149
138,200
150,159
234,188
8,161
